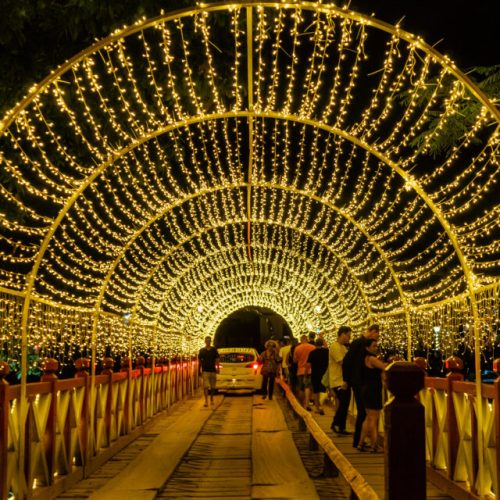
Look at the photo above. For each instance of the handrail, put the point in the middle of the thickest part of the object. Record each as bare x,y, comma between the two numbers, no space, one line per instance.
451,407
357,482
61,446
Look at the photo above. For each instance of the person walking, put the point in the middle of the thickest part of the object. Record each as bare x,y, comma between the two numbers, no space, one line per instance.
270,365
352,372
283,354
318,361
208,358
342,391
292,365
300,356
372,396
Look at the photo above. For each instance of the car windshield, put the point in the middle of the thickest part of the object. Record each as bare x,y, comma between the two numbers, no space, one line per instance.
236,357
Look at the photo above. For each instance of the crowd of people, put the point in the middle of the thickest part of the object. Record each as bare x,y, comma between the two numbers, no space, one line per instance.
315,371
313,368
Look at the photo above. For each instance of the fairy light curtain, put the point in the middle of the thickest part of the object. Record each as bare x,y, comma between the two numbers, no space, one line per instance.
278,155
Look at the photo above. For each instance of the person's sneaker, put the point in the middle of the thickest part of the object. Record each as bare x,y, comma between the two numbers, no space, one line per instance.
264,397
205,405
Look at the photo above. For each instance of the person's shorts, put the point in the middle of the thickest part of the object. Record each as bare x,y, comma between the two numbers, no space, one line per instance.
317,386
209,379
303,382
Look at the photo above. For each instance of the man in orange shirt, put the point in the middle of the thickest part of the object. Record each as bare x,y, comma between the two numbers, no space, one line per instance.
300,356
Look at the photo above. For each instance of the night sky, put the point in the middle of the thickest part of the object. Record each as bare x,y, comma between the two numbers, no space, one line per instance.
470,29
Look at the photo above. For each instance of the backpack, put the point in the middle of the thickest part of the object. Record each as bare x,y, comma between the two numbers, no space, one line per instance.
270,364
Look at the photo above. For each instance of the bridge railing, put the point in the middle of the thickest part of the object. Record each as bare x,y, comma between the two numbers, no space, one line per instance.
451,433
72,426
451,409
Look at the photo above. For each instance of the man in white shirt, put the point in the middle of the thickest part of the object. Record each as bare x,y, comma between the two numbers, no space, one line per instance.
338,350
283,354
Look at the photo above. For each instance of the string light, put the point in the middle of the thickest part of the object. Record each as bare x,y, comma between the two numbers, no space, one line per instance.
338,234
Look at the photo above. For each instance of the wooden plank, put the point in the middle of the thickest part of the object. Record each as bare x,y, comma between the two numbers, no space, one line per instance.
278,471
369,465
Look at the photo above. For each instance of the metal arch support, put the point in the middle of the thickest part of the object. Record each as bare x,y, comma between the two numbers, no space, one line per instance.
195,235
70,202
394,312
217,306
250,129
372,241
226,249
292,190
293,4
333,130
300,292
306,260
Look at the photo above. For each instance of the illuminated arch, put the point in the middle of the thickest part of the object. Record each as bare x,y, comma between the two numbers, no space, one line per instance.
287,114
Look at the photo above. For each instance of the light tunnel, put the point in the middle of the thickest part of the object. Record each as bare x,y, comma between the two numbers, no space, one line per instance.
287,156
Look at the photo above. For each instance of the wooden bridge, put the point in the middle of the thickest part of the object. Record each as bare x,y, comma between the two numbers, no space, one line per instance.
147,425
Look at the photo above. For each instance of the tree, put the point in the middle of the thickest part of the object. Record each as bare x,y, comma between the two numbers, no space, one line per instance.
39,35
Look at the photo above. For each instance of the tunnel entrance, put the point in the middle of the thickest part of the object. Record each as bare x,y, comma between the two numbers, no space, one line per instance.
251,327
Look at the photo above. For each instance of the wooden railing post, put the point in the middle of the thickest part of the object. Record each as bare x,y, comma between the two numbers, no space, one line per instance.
162,386
191,375
82,369
50,366
4,428
173,381
455,366
180,367
170,384
84,426
421,363
405,434
150,393
195,372
140,362
107,369
127,410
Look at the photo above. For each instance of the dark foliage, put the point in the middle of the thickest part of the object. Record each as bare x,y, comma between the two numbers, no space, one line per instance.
38,35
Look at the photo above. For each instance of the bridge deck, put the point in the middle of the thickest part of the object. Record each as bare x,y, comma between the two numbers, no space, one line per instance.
369,465
241,448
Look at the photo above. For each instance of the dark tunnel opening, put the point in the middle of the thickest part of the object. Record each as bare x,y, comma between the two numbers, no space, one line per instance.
251,327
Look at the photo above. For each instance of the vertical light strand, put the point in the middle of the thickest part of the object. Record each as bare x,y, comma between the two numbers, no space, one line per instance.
250,129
